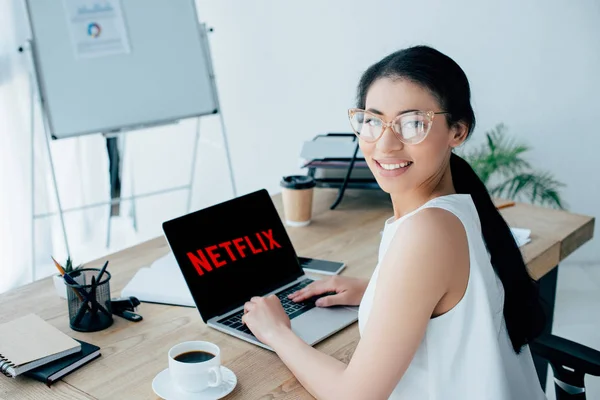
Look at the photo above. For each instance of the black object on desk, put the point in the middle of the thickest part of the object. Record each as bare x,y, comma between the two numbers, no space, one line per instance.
88,300
125,306
320,160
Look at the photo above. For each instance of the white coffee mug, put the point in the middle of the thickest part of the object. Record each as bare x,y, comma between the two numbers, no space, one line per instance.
195,376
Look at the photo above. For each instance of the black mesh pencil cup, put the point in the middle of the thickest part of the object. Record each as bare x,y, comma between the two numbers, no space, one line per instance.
89,300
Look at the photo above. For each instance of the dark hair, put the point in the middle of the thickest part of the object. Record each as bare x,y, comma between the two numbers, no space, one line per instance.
444,78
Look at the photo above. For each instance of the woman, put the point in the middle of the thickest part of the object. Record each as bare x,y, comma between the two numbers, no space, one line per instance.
450,307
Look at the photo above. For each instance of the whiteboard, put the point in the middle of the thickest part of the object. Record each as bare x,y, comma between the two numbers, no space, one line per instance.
166,76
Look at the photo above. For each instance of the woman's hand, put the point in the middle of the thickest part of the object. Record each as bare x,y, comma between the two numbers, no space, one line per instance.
349,291
266,318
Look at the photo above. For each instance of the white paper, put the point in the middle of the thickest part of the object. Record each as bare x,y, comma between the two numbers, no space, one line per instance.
97,27
522,236
162,282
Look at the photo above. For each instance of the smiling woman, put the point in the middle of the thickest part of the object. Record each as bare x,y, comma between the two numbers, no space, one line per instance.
450,308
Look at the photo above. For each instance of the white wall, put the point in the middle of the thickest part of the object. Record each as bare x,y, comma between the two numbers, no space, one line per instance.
287,71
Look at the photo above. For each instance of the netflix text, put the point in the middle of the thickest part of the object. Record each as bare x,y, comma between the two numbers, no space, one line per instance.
222,254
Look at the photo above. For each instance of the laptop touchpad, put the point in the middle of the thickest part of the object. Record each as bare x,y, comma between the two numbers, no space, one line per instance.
319,323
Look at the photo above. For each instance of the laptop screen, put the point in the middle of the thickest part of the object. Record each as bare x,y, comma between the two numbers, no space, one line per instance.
232,251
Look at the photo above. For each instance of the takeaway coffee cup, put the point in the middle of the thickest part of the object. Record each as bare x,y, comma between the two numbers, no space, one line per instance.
297,193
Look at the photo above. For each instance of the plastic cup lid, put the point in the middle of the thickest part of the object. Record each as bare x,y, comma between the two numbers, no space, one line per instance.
298,182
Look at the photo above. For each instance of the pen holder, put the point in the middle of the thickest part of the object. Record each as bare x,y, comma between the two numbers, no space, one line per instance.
88,300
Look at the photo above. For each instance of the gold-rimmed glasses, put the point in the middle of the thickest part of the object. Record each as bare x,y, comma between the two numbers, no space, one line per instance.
410,127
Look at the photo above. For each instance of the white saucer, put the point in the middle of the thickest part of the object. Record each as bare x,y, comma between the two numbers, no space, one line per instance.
163,387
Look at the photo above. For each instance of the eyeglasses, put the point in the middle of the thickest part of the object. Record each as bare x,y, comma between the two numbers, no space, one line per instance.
410,127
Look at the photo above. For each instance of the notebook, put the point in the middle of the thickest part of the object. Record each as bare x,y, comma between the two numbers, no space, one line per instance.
161,282
55,370
29,342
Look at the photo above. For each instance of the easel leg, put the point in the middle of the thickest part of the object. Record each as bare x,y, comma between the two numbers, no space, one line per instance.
193,171
112,150
108,228
32,138
58,203
115,169
203,31
133,210
33,85
227,153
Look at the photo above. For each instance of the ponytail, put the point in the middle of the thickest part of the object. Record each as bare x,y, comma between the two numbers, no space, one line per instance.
523,311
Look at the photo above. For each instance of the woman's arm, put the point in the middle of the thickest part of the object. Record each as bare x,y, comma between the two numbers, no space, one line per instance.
426,251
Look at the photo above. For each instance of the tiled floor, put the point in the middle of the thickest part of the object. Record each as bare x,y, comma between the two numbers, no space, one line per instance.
577,313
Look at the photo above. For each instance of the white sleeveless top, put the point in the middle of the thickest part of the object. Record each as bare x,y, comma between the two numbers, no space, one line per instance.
466,353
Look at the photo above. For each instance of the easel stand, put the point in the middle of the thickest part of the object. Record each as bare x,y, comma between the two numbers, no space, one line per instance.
36,92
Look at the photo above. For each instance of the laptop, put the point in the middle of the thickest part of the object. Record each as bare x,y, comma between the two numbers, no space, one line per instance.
238,249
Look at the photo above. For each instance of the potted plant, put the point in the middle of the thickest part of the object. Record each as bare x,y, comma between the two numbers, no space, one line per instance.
499,163
59,283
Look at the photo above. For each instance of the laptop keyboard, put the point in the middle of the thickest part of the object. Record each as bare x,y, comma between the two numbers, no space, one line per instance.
292,309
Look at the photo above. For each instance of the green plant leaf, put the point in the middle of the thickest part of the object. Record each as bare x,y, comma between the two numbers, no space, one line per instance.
501,159
498,156
537,187
69,265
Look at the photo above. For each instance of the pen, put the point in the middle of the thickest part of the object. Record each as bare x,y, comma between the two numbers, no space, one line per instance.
102,272
93,296
71,281
506,205
59,267
68,279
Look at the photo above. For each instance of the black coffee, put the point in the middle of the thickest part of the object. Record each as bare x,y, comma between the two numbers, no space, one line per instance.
194,356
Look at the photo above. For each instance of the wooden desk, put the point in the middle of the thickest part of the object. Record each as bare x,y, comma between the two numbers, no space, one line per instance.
133,353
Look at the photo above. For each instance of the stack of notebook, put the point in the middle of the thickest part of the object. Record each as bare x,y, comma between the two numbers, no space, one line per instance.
32,347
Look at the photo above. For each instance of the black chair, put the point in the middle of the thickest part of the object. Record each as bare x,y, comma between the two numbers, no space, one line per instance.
570,362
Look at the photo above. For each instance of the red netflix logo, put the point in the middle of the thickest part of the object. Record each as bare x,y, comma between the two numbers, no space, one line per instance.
221,254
